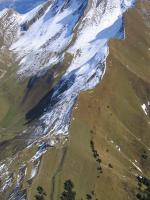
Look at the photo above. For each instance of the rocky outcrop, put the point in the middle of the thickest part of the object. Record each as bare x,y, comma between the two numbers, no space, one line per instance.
9,25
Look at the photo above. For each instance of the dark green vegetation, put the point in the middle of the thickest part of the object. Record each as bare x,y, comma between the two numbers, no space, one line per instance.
143,188
97,158
41,194
144,155
68,193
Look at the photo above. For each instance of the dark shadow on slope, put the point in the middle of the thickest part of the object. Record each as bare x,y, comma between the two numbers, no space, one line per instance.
51,98
36,82
116,30
32,81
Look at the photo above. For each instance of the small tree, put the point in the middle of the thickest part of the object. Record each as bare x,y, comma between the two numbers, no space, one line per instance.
41,193
68,193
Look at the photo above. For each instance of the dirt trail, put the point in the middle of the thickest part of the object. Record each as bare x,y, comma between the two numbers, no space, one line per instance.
64,152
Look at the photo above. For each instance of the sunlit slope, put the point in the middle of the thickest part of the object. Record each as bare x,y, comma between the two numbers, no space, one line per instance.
109,121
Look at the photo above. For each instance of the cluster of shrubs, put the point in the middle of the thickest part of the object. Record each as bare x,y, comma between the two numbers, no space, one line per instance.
143,188
68,193
41,194
110,165
144,155
91,196
96,156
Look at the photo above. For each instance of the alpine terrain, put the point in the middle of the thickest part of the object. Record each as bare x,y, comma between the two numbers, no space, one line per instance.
75,99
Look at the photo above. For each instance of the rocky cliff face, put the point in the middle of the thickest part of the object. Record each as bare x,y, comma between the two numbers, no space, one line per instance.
8,27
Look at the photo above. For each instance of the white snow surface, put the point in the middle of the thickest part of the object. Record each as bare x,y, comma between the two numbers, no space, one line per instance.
45,41
146,107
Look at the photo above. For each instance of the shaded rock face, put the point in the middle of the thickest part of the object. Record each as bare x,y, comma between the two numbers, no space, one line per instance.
41,39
